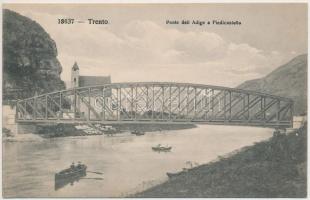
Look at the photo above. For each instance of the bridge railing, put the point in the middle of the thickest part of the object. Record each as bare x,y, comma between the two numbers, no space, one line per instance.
158,102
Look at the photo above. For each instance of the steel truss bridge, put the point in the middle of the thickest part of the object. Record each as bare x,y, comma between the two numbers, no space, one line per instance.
157,102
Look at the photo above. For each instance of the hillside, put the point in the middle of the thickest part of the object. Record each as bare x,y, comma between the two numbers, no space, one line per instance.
270,169
288,80
30,61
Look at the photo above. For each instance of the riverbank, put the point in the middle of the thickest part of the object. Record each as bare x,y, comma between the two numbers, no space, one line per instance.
67,130
273,168
153,127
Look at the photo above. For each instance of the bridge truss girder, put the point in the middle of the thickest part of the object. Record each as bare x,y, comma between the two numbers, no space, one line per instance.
157,103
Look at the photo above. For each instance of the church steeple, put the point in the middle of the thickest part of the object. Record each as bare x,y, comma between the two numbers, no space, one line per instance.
75,76
75,67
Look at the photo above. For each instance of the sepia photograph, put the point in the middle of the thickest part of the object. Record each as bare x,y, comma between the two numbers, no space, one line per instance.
154,100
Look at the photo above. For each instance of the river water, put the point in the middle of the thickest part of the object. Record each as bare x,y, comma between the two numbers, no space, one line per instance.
127,162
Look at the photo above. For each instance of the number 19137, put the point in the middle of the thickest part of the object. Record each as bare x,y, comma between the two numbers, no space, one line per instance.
66,21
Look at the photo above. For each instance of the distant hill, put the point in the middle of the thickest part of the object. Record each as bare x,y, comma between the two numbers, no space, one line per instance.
288,80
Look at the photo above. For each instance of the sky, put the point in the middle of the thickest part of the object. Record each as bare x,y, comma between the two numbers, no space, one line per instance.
137,44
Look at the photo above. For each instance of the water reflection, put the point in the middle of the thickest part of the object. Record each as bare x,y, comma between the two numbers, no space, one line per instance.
62,182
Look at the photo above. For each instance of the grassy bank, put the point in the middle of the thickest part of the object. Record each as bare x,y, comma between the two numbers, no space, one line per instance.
273,168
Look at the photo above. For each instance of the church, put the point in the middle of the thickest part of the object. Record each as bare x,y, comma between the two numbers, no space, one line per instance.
84,81
87,81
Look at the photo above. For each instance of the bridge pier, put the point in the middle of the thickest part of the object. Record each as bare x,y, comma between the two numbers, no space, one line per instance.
8,118
9,121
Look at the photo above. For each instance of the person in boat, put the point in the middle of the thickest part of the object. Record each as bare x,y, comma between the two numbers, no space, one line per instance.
72,166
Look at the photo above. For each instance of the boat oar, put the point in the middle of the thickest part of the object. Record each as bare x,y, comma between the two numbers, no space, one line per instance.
93,178
95,172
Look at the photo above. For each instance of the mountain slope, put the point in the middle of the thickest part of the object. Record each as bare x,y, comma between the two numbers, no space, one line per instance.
288,80
29,58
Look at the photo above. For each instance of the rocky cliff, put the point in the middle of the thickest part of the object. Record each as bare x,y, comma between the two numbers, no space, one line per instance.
288,80
30,62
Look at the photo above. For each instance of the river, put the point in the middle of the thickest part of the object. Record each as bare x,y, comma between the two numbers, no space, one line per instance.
127,161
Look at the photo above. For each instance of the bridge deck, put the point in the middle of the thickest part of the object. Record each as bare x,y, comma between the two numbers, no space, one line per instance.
226,123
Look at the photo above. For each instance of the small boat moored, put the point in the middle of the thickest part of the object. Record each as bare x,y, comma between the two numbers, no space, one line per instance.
173,175
184,170
136,132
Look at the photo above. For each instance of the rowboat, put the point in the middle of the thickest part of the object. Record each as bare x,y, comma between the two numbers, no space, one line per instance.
70,175
161,148
73,171
173,175
135,132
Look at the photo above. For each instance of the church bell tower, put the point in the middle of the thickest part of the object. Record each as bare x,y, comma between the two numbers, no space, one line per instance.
75,76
